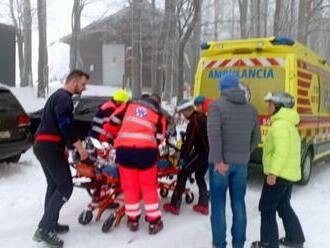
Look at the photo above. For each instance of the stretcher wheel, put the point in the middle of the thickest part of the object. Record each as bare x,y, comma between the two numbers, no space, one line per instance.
189,197
163,192
85,217
109,223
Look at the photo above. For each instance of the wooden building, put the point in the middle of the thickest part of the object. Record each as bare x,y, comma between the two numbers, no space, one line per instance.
106,46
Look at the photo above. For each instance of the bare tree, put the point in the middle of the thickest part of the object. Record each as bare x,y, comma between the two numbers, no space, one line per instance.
277,17
265,17
188,14
164,42
43,54
153,44
136,8
309,20
16,15
217,4
243,9
75,60
27,34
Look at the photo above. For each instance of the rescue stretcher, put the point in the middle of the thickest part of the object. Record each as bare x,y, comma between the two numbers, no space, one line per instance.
100,177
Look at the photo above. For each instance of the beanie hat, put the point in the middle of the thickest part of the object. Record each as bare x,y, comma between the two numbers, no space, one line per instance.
229,81
183,105
199,100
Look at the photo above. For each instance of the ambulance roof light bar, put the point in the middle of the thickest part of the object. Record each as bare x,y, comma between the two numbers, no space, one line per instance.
283,40
205,45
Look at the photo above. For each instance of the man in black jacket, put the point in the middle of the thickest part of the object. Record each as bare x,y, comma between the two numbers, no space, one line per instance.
55,132
194,155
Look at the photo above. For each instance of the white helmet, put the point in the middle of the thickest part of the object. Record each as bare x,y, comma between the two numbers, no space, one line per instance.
280,99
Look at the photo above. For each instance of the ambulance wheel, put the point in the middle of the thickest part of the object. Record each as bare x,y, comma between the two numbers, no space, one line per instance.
189,197
306,169
163,192
109,223
85,217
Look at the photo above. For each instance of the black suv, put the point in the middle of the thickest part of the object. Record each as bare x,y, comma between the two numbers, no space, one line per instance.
15,133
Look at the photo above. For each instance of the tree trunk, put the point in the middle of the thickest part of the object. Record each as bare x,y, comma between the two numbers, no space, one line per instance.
182,43
216,19
163,44
137,49
19,36
153,45
277,18
75,61
292,19
265,19
258,13
27,31
43,55
243,9
302,22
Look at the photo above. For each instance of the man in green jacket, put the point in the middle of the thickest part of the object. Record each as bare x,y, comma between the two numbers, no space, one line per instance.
281,163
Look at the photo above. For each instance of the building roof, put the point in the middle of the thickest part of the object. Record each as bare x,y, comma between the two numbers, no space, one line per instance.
104,25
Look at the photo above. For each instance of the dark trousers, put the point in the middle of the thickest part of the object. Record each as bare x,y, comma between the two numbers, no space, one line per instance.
277,199
59,181
198,164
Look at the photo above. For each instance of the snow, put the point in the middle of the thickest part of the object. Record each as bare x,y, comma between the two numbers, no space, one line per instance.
23,185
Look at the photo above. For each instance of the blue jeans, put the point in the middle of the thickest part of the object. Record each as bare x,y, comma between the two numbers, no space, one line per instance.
235,180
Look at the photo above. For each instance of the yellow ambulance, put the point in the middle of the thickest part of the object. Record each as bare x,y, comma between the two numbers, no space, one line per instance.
274,64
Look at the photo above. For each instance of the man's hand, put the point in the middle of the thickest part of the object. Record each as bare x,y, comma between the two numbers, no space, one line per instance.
271,180
81,150
83,154
221,168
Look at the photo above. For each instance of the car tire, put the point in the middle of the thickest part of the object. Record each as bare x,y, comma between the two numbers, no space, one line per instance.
306,169
13,159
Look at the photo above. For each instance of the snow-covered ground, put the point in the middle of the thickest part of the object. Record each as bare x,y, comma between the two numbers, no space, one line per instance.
22,188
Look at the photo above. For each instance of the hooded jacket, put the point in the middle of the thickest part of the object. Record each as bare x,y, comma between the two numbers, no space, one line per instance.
282,148
232,128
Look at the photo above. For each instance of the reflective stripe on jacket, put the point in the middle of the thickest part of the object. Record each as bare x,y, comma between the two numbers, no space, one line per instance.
139,127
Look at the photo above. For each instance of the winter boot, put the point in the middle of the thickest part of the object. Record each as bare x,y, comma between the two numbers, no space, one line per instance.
61,229
286,243
155,226
257,244
50,238
201,209
133,224
168,207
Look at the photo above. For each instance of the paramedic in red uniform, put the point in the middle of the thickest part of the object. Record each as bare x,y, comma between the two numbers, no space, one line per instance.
56,132
105,110
142,128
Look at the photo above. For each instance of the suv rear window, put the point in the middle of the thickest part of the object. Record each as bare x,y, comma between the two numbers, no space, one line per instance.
8,102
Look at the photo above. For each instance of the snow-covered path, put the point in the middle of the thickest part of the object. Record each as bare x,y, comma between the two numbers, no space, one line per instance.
22,188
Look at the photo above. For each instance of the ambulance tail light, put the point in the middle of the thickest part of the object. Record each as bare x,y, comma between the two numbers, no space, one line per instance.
205,46
283,40
264,120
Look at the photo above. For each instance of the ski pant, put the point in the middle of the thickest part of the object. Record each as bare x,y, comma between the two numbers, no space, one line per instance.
136,182
274,199
198,164
59,181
